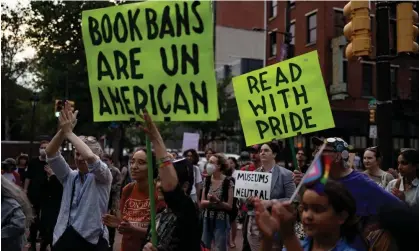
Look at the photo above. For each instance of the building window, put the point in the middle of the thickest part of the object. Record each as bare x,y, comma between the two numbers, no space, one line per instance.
393,81
367,73
339,22
292,31
359,142
345,71
273,8
312,28
291,3
272,41
414,143
393,34
414,88
398,143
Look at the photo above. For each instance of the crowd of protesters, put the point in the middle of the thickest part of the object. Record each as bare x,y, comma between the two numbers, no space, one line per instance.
82,209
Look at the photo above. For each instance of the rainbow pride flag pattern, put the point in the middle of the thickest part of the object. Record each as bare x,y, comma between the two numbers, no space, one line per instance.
319,171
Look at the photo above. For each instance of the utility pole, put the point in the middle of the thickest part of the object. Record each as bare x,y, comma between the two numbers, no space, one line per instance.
383,85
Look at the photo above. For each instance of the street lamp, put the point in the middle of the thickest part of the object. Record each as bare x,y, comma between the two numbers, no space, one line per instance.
34,101
286,51
287,35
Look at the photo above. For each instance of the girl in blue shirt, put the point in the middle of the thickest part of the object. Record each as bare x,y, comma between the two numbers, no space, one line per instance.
328,217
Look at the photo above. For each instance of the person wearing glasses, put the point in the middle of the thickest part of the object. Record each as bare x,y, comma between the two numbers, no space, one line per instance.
370,198
86,190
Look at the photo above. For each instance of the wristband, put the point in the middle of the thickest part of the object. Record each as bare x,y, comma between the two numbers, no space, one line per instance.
164,164
165,159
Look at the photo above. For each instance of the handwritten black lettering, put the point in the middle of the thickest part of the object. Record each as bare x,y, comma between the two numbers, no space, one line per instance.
295,71
95,36
185,59
182,17
103,104
103,62
166,24
280,77
252,83
298,95
200,28
134,30
106,26
255,108
125,100
151,21
120,23
307,117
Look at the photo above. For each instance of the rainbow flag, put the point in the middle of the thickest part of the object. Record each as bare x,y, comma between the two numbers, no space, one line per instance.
318,171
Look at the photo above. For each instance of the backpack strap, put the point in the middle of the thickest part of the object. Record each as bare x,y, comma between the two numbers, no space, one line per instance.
225,188
207,186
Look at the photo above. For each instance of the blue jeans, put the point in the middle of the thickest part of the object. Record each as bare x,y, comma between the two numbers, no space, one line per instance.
219,234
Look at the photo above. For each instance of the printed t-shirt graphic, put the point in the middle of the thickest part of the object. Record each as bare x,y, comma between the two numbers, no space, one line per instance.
135,208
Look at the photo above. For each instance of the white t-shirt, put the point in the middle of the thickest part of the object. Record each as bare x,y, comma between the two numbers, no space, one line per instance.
197,178
10,177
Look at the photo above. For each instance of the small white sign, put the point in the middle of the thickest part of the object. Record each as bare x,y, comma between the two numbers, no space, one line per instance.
252,184
373,131
190,141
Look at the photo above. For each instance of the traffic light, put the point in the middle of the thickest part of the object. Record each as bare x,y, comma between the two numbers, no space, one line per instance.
407,31
372,116
358,30
59,105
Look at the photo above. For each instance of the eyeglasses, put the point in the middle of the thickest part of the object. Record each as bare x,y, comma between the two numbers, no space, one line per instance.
89,139
407,149
333,140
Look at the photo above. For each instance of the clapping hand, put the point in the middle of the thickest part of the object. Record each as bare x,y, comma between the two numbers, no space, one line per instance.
67,119
111,220
125,227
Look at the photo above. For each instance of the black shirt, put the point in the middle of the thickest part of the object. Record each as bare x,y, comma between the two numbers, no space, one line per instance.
38,177
178,224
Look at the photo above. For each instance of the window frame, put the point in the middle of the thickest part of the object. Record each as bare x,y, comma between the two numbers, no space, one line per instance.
273,36
292,24
273,9
335,25
310,29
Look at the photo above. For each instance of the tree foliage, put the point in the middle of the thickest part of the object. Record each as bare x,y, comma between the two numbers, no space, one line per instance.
55,30
228,116
13,43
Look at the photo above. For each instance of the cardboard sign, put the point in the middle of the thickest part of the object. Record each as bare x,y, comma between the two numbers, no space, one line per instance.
283,100
154,55
249,184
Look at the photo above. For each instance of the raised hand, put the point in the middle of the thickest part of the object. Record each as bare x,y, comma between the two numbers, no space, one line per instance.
67,119
285,214
267,224
149,127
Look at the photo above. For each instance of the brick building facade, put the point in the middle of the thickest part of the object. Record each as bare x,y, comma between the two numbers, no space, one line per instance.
351,85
